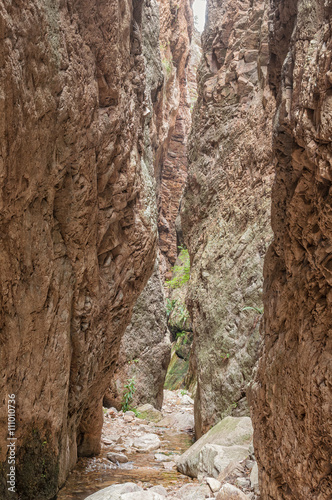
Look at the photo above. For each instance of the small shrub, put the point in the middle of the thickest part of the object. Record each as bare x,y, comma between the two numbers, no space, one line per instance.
170,306
181,272
128,394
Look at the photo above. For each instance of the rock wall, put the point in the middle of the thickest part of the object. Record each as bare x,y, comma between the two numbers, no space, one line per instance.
226,206
78,134
292,396
145,349
176,21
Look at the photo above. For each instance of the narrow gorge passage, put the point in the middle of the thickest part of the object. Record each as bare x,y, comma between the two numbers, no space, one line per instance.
165,250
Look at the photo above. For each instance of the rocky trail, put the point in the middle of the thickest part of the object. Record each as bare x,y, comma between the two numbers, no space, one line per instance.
139,459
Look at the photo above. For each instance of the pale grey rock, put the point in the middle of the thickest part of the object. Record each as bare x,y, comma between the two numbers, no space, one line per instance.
117,457
142,495
161,457
243,482
230,492
213,458
229,432
128,418
115,491
169,465
147,442
194,492
214,484
180,421
159,489
254,477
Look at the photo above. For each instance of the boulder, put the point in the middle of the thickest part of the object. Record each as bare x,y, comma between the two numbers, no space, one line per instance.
180,421
214,459
231,431
159,489
230,492
115,491
142,495
147,442
194,492
148,412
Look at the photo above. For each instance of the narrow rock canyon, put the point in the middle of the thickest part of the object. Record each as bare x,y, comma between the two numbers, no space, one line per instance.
114,164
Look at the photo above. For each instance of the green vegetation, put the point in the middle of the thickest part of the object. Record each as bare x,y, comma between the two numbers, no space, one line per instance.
225,356
128,394
170,306
259,310
181,273
137,413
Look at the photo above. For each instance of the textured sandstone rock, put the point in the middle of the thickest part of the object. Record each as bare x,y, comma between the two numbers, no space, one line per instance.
225,211
78,136
292,398
176,22
145,349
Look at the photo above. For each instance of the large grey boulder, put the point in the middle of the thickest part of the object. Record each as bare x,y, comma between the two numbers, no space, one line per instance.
213,458
231,431
115,492
142,495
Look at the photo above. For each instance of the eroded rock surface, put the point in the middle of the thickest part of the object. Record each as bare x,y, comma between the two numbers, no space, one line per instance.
176,21
78,137
293,393
145,350
226,206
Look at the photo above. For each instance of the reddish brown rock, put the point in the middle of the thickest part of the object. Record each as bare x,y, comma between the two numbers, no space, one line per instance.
226,206
176,31
78,218
292,397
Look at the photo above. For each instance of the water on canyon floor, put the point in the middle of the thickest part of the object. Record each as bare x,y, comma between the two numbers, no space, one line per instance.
93,474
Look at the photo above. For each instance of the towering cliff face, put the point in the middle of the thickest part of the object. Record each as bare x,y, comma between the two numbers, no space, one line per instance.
176,21
145,347
225,212
78,217
293,393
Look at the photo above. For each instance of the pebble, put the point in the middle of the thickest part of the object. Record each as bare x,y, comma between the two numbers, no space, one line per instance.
121,458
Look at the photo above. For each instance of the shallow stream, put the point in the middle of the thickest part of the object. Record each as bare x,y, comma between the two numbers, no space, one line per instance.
93,474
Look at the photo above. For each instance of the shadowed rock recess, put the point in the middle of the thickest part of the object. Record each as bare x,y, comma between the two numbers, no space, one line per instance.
78,216
226,205
292,397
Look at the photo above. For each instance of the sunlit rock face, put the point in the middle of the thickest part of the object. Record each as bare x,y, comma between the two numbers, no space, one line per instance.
292,395
226,206
78,137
